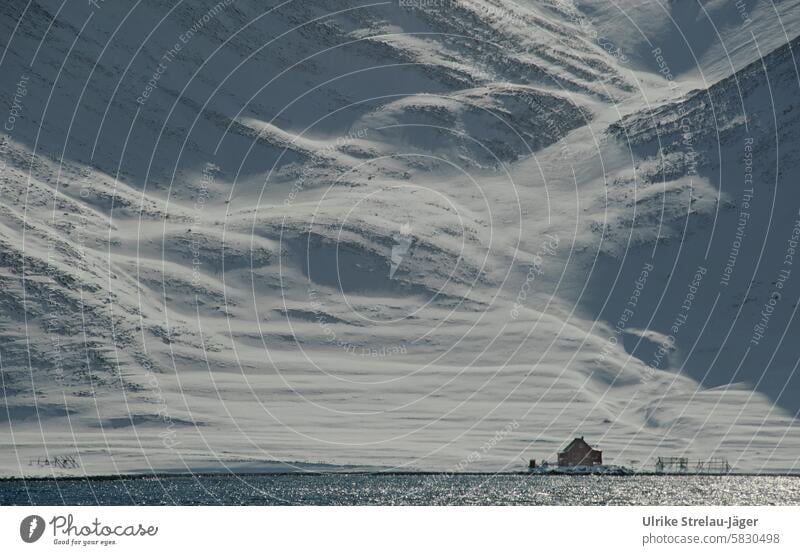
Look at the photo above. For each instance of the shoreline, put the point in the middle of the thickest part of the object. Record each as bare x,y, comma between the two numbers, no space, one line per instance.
312,473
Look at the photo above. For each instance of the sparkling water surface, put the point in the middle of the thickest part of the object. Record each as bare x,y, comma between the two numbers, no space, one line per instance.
372,489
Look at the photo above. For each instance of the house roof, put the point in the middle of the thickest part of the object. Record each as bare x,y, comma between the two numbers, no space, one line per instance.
577,441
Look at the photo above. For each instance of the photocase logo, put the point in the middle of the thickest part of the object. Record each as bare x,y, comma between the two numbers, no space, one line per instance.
402,244
31,528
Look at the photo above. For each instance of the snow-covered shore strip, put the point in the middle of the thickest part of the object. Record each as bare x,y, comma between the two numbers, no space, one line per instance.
598,470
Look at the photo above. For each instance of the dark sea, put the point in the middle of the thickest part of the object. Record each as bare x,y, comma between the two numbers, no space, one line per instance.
405,489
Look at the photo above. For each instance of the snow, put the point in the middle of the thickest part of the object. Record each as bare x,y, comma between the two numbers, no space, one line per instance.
383,237
599,470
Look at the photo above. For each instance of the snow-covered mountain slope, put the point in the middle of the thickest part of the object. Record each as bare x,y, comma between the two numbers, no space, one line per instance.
706,40
740,135
382,234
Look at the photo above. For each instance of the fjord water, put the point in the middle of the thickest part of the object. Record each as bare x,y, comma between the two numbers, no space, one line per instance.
406,489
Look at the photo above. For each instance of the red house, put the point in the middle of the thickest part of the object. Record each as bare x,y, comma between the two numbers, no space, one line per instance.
579,453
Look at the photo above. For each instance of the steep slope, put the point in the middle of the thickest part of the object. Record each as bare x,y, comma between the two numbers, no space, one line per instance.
378,235
703,41
740,135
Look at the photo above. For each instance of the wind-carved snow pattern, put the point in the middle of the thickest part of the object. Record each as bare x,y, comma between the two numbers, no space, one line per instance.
402,243
425,236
